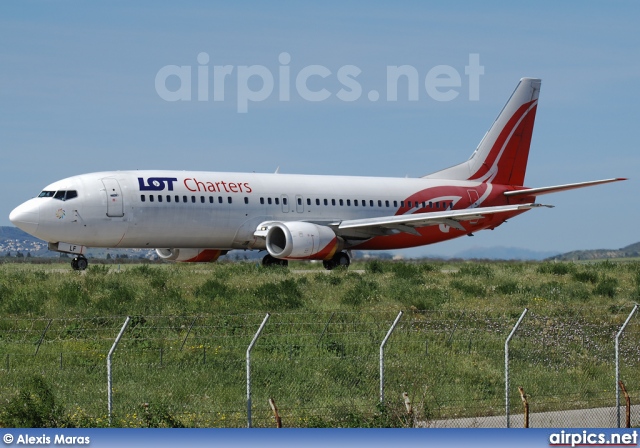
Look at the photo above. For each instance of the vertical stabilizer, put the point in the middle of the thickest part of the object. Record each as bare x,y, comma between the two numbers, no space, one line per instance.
501,156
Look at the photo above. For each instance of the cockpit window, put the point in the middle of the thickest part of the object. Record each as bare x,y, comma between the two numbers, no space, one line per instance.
63,195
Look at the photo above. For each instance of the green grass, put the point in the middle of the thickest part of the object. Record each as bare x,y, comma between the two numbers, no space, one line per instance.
181,362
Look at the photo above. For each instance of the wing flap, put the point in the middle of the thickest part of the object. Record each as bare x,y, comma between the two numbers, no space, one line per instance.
408,223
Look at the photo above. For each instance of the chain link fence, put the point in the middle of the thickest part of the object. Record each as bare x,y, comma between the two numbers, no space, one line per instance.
441,369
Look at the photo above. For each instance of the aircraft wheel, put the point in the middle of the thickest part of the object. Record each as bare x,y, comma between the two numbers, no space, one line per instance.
339,260
79,263
268,260
82,263
342,260
328,264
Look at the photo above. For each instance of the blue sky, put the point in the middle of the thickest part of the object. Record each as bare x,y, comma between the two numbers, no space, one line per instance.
78,94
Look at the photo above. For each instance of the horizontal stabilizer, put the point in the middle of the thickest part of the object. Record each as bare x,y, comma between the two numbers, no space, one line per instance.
555,189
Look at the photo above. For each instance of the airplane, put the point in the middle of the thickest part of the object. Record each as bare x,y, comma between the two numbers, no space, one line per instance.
197,216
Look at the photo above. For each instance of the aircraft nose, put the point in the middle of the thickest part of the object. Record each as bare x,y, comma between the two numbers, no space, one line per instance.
26,216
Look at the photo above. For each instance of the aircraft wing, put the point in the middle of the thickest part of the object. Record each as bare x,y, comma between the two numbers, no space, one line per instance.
555,189
408,223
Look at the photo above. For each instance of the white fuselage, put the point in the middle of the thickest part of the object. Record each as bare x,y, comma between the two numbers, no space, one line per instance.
189,209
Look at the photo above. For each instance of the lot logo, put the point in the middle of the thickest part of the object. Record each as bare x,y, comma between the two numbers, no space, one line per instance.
156,183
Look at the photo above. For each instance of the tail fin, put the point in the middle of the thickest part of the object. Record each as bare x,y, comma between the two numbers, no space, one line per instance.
501,156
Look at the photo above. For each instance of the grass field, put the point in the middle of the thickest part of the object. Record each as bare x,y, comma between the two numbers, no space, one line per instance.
181,362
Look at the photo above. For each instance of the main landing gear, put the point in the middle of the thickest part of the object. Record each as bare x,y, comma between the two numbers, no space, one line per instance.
339,260
268,260
79,263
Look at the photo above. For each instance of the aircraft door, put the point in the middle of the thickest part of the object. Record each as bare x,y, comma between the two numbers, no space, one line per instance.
115,206
285,203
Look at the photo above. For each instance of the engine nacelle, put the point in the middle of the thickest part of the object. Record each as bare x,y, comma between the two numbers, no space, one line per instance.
301,241
190,255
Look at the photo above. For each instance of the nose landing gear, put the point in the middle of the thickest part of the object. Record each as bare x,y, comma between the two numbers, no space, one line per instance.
79,263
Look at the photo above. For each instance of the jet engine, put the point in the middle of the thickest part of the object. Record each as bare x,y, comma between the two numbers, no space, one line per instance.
190,255
301,240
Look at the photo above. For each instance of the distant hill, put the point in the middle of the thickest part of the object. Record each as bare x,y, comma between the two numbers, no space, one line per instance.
14,241
631,251
503,253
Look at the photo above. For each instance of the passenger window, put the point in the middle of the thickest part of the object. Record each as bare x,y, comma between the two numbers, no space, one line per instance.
341,202
277,201
309,201
284,201
379,203
333,202
229,199
262,201
437,205
395,204
193,199
355,202
348,202
219,199
202,199
142,198
159,198
177,198
326,202
246,200
299,201
150,198
168,198
317,201
210,199
269,201
371,202
184,199
386,203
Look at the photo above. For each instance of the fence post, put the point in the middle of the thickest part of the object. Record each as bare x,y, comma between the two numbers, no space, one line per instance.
506,365
618,361
395,322
627,399
253,342
525,403
275,413
109,376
